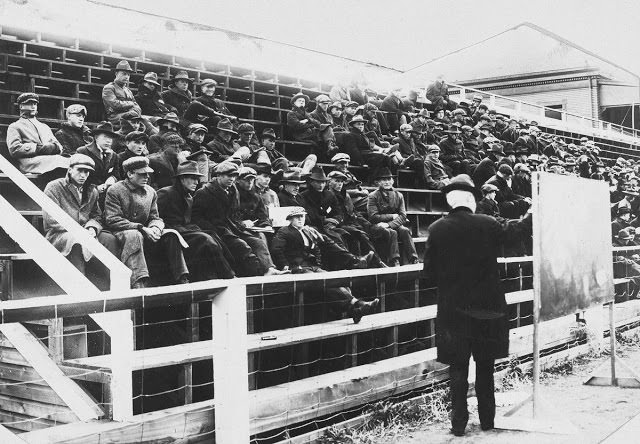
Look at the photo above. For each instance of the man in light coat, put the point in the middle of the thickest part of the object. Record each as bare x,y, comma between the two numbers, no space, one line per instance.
118,100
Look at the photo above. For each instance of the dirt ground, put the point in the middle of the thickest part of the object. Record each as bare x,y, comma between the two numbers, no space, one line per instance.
596,412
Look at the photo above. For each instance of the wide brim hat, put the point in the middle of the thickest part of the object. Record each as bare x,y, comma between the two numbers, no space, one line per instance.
292,178
382,173
181,75
269,133
317,173
151,77
170,117
105,127
297,96
188,168
123,65
461,182
264,168
225,125
357,119
453,129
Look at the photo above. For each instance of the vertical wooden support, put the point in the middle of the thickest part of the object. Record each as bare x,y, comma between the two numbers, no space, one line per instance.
193,333
253,357
7,279
382,295
303,349
518,314
394,341
416,292
352,349
432,332
56,338
230,365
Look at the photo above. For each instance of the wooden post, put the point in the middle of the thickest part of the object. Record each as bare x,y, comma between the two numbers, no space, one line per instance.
492,101
230,365
612,341
463,94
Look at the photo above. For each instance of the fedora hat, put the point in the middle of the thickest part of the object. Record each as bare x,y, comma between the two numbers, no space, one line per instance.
297,96
292,178
382,173
151,77
188,168
181,75
461,182
105,127
317,173
225,125
264,168
123,65
453,129
357,119
170,117
423,113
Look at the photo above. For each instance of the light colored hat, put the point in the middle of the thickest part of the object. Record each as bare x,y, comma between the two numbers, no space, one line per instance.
83,161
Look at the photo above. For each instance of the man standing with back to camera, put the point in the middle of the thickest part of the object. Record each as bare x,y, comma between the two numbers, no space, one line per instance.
460,259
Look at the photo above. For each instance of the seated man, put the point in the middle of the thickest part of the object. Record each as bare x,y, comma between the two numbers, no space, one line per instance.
393,106
387,215
452,155
438,94
488,205
199,153
165,163
136,145
512,206
352,185
178,94
356,144
289,195
263,180
79,200
252,211
149,98
321,113
435,174
131,214
106,161
206,109
335,109
214,208
128,126
170,123
223,145
32,144
119,102
205,256
298,248
74,133
268,154
302,125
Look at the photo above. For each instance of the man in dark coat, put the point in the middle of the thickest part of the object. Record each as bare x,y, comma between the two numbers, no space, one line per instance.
321,113
435,174
289,195
489,165
149,98
460,259
136,143
206,109
178,95
302,125
74,133
393,106
206,257
107,171
223,145
512,205
165,163
488,205
438,94
167,124
356,144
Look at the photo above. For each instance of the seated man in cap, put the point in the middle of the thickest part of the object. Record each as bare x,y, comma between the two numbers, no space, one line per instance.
435,174
321,113
396,111
521,182
74,133
488,205
79,199
269,197
350,110
206,109
149,98
170,123
438,94
302,125
622,220
336,109
136,145
215,207
119,102
247,138
511,134
299,248
387,215
131,214
356,144
352,184
132,124
511,205
199,153
489,165
165,163
289,195
106,167
32,144
252,212
178,94
206,257
223,146
354,224
452,155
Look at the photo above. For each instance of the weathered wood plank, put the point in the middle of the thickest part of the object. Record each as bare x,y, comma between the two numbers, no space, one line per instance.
24,423
74,397
33,392
11,372
35,409
8,437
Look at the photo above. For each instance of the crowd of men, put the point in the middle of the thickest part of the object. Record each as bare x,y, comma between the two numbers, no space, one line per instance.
178,187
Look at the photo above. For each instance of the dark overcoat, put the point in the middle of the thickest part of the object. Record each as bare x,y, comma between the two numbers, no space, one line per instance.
461,260
289,249
104,167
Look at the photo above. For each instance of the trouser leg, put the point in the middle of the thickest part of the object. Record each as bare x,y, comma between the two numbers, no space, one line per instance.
76,258
169,247
248,264
485,392
408,247
388,238
259,247
458,387
337,257
205,258
132,255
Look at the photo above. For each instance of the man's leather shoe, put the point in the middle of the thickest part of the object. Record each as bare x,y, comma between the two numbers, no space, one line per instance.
457,432
364,261
486,427
395,263
414,260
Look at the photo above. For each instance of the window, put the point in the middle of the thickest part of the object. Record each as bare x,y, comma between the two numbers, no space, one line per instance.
550,113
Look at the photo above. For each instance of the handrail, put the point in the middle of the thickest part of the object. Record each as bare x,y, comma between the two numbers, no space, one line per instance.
599,124
117,269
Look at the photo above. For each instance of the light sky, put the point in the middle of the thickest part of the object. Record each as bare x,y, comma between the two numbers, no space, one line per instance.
404,34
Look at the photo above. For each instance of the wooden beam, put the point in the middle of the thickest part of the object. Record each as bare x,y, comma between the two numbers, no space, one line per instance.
73,396
8,437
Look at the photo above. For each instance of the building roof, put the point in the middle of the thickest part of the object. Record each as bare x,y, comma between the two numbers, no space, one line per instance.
524,49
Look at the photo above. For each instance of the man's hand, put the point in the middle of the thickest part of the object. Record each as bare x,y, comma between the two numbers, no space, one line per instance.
92,232
395,216
102,187
249,223
383,224
528,200
153,233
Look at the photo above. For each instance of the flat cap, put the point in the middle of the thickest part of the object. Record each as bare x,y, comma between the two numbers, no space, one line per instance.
196,127
337,175
296,211
246,128
136,135
247,172
488,188
76,108
28,97
229,168
137,163
83,161
341,157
